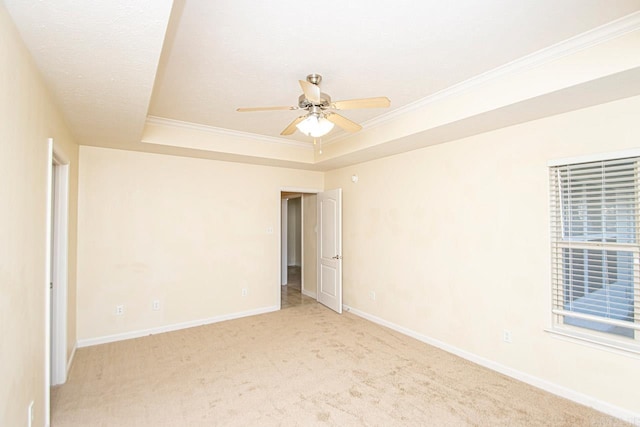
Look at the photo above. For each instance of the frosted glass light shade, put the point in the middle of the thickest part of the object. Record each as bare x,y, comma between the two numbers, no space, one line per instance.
315,126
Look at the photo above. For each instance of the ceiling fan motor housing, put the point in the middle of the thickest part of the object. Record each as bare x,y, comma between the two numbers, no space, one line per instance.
304,103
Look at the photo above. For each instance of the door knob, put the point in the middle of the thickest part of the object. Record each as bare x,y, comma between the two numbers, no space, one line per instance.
336,257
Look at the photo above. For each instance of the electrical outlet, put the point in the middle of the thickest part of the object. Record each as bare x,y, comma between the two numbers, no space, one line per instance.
372,295
506,336
119,310
155,305
30,414
244,292
269,230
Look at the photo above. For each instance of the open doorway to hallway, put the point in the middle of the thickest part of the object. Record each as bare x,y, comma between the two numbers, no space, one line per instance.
291,294
298,244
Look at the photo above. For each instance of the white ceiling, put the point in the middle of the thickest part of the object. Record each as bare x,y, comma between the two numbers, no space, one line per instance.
110,64
99,58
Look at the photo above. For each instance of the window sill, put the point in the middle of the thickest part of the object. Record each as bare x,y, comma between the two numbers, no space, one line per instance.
610,345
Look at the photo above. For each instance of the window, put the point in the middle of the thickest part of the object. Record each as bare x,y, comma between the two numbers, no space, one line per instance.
595,250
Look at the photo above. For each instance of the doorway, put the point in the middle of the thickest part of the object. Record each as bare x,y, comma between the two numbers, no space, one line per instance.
298,248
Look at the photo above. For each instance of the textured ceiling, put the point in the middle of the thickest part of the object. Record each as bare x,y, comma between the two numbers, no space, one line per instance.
111,64
99,58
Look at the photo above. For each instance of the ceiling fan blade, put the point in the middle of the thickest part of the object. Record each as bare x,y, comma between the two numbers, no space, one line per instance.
292,126
311,91
350,104
343,122
250,109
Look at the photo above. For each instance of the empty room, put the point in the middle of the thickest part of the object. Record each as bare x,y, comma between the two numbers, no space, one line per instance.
363,213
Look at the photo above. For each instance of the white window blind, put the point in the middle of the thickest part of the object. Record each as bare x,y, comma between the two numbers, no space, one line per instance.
595,250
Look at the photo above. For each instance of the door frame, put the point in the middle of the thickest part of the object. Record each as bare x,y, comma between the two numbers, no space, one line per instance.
56,270
60,266
304,191
284,247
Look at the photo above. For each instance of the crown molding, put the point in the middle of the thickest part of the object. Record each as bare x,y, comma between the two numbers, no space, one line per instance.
598,35
178,124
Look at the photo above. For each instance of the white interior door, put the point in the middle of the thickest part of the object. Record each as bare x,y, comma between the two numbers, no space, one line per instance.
330,249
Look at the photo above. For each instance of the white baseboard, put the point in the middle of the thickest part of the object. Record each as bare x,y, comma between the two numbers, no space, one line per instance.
551,387
309,294
174,327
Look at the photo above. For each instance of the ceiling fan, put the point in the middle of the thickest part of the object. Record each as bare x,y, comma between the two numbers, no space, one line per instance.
320,117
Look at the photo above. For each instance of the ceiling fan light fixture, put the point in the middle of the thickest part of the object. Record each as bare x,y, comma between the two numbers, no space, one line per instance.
315,125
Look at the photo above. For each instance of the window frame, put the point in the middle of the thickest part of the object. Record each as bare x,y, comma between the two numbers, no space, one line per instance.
557,248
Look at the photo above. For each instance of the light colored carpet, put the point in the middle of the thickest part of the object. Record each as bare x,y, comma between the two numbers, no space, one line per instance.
303,366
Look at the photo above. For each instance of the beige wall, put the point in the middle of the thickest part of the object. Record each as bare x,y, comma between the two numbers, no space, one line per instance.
189,232
27,118
310,241
454,240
